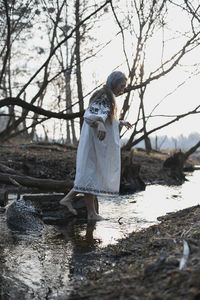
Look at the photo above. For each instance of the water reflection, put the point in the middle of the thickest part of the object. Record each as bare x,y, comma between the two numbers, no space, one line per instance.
41,267
129,213
36,267
81,234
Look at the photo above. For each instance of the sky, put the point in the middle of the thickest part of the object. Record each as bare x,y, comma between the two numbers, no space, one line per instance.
173,100
176,97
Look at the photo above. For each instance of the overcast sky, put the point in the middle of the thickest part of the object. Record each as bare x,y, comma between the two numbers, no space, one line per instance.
178,92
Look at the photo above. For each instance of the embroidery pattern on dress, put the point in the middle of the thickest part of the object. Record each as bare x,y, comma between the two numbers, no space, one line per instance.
88,190
100,106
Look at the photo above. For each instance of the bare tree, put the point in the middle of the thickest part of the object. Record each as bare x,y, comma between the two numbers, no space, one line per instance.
14,19
147,141
78,60
144,20
46,66
132,143
193,10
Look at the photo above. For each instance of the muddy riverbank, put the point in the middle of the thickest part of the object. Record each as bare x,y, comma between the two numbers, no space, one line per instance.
144,265
58,162
148,264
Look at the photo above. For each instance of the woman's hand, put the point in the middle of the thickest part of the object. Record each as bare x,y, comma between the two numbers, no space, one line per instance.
126,124
101,131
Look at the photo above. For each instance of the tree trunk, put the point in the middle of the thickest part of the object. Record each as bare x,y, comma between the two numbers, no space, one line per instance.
68,103
131,181
78,61
68,93
69,123
174,164
156,142
147,141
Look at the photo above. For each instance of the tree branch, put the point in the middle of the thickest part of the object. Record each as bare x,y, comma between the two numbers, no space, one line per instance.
38,110
180,54
59,44
130,144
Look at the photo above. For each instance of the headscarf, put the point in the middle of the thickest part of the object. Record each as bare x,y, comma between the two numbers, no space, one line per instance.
114,78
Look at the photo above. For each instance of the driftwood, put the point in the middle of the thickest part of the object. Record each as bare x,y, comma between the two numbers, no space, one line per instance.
174,165
184,259
130,177
48,146
42,184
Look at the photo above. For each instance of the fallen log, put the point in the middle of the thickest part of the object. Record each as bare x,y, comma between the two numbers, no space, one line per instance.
42,147
5,169
48,146
41,184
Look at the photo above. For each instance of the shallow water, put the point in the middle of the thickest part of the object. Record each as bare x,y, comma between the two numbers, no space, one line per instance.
44,266
130,213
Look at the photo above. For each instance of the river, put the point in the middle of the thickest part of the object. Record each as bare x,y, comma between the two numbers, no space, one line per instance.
45,266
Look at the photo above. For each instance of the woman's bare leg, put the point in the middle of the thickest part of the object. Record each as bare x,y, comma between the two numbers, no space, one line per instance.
67,201
92,214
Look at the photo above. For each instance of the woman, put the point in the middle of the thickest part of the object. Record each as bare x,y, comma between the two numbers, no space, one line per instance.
98,156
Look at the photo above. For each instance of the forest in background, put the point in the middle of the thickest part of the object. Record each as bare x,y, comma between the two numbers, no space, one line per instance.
180,142
50,55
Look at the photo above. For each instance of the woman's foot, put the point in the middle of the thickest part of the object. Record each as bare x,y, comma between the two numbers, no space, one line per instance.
68,203
94,217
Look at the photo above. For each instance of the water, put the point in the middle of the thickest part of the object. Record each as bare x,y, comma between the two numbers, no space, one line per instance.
44,266
130,213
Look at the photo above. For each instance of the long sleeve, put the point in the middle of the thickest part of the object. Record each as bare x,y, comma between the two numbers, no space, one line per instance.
98,162
98,110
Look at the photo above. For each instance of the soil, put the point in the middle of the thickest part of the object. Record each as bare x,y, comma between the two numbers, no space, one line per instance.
56,161
146,265
40,160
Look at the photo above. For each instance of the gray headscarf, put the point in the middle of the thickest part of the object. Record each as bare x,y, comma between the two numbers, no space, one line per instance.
114,78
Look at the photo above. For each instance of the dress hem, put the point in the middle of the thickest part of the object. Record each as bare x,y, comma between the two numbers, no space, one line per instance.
94,191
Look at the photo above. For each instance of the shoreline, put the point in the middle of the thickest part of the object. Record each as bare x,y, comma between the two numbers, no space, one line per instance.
146,265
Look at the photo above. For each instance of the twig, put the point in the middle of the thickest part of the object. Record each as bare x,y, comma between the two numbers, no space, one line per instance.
120,223
184,259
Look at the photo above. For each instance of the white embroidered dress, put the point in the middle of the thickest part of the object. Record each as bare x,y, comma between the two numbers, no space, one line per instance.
98,162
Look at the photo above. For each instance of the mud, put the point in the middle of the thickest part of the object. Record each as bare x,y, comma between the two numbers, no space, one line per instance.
145,265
